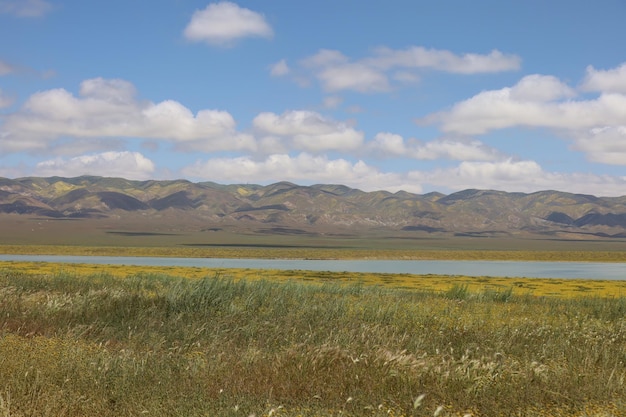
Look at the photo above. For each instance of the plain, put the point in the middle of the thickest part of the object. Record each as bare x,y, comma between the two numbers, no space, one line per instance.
78,342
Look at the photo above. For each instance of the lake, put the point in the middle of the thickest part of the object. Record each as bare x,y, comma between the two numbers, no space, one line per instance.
587,270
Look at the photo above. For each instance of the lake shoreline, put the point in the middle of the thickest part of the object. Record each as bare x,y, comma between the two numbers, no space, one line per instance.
472,268
330,253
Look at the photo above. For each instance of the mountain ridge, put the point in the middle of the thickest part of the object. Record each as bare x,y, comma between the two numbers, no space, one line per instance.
287,206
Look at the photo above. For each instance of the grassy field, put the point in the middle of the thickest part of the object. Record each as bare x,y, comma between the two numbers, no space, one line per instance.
567,288
76,341
584,253
176,236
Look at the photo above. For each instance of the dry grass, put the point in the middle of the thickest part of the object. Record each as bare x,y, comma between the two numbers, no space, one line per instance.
564,288
463,252
74,344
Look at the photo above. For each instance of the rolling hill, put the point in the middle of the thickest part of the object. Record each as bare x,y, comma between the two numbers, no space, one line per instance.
317,209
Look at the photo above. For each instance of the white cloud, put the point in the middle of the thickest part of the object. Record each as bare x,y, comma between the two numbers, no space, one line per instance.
388,144
392,145
540,88
5,100
115,91
596,126
335,71
355,109
332,102
309,131
533,102
223,23
293,122
6,68
460,150
25,8
510,175
508,171
131,165
109,108
443,60
279,69
14,171
406,77
375,73
518,176
303,168
84,146
170,119
606,145
353,76
613,80
325,58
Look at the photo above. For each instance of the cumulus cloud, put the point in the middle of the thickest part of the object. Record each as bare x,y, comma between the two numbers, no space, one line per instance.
595,126
304,167
131,165
109,108
376,73
325,58
500,172
224,23
25,8
13,171
521,176
354,76
540,88
443,60
335,72
392,145
606,145
307,130
535,101
389,144
279,69
612,80
511,175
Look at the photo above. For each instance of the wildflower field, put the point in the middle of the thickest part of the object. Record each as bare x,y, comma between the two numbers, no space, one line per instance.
85,340
496,251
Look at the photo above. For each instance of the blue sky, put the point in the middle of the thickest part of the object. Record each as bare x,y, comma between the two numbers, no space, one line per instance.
397,95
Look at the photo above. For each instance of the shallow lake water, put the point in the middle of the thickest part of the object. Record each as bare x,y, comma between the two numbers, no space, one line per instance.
588,270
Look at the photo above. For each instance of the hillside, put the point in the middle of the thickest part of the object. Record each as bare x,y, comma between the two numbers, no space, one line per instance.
286,208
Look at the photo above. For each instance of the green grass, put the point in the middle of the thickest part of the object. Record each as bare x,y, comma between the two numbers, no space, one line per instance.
153,344
493,286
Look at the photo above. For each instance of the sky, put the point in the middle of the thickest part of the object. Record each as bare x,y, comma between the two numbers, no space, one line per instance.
420,96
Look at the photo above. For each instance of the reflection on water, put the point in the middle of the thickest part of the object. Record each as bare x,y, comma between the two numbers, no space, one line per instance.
588,270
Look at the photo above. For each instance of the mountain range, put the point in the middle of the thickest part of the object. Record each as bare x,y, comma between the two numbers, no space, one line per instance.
288,208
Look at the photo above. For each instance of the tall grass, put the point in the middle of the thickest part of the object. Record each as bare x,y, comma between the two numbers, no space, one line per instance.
74,345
